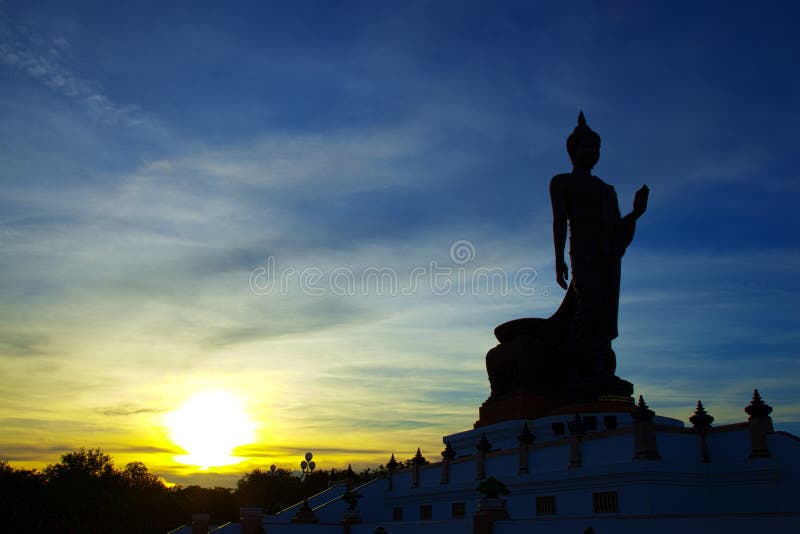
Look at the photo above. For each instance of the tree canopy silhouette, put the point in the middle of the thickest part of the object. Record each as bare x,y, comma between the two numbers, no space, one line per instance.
85,493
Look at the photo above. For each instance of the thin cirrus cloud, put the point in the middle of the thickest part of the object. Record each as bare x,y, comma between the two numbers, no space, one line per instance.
44,59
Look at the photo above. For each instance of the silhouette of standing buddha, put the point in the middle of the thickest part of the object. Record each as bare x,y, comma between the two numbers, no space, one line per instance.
567,358
598,239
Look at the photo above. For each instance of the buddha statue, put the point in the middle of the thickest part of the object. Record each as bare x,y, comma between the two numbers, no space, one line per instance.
567,357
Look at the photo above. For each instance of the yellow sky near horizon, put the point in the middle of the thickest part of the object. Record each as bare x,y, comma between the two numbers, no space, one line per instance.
279,437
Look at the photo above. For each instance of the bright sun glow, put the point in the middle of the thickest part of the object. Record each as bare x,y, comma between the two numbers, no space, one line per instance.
208,426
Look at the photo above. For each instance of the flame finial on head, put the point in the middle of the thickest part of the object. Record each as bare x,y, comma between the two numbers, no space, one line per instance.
581,132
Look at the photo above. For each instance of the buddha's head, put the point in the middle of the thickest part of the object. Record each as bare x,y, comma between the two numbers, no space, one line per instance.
583,145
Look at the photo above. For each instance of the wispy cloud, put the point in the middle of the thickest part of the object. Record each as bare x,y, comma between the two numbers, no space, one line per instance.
126,410
46,60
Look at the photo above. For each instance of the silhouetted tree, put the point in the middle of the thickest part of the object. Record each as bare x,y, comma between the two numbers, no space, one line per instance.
82,493
371,473
136,475
273,491
85,493
21,499
220,503
145,500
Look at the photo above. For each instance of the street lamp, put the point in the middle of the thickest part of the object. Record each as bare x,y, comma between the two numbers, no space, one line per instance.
270,487
307,465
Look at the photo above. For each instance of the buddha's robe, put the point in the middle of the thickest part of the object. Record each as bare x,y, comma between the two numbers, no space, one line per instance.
598,237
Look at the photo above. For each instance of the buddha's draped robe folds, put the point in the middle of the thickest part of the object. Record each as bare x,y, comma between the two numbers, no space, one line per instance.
598,237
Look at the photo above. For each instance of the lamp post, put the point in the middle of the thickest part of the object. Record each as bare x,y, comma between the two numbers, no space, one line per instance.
270,487
307,465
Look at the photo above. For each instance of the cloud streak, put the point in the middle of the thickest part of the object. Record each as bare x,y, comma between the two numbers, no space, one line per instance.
44,60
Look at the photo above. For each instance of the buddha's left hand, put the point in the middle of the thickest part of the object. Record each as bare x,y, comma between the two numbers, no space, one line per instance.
640,200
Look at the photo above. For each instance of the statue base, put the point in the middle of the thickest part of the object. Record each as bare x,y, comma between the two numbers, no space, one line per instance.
516,407
530,407
598,389
533,374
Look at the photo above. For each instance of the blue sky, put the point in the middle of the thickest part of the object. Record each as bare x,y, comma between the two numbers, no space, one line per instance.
153,156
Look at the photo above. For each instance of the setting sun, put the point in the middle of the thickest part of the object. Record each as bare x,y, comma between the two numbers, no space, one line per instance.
209,425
